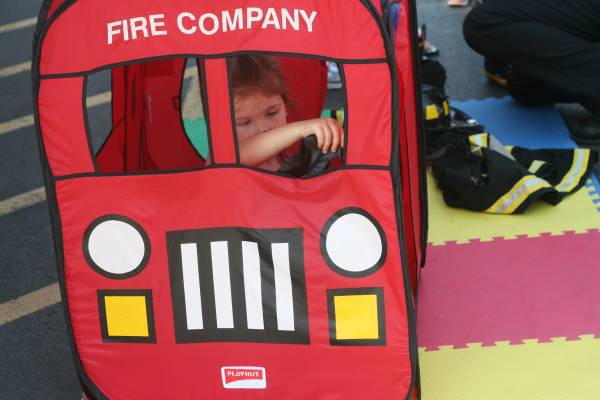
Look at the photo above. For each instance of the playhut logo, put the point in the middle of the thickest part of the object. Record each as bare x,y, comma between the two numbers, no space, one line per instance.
244,377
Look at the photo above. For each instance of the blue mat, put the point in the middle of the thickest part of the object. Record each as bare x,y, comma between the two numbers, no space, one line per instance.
531,127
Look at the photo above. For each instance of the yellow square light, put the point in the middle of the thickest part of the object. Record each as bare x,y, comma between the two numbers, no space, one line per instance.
126,316
356,317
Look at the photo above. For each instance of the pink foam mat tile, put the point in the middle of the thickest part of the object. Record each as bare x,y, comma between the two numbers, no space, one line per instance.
510,290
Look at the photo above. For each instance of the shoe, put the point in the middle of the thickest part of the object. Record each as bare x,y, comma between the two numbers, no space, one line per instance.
588,132
427,49
497,73
458,3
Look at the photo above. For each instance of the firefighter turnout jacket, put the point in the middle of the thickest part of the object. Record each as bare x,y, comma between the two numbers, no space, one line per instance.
475,171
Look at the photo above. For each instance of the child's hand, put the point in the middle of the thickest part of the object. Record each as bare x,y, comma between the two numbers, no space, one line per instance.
329,133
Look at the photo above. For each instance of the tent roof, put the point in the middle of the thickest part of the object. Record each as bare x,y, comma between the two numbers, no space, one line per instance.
85,35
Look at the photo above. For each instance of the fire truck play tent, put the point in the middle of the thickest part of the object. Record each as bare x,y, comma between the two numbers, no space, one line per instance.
183,279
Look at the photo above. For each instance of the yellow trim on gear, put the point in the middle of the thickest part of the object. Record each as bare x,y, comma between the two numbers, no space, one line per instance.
431,112
510,201
479,140
578,168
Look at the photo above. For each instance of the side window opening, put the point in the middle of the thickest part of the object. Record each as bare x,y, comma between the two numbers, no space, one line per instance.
146,117
336,102
284,104
192,109
336,92
99,110
151,116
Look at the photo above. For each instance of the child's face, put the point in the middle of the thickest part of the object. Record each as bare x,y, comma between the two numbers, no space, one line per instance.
257,113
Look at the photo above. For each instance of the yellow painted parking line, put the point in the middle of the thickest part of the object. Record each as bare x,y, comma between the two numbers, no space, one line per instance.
27,120
15,69
29,303
38,195
98,99
92,101
22,200
15,124
13,26
26,66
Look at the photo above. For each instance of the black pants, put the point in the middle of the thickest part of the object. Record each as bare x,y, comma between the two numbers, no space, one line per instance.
552,45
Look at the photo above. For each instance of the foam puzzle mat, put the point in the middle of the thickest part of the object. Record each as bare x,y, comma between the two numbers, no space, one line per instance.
557,370
577,212
528,288
509,306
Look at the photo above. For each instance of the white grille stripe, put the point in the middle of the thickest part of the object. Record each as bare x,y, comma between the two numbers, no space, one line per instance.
191,286
283,287
251,273
252,286
222,284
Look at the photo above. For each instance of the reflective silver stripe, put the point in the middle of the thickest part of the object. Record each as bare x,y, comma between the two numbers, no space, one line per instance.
496,145
535,166
477,140
222,284
283,287
568,182
252,286
191,286
523,188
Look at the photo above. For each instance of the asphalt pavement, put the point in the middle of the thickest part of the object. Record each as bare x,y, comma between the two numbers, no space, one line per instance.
35,355
35,359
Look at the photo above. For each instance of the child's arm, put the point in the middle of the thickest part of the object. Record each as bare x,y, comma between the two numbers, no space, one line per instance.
264,146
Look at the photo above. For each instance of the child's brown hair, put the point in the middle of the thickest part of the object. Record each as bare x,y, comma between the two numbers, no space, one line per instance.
257,73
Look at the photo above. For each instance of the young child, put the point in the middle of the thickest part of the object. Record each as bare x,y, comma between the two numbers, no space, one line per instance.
261,103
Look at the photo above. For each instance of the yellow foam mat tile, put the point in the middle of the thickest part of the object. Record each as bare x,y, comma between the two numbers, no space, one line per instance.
557,370
576,212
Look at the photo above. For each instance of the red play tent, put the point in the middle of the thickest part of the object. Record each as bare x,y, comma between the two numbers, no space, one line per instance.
187,279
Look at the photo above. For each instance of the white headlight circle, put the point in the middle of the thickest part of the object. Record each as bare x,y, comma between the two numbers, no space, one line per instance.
353,243
116,246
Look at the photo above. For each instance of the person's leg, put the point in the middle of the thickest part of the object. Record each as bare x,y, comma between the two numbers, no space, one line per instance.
528,90
556,42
